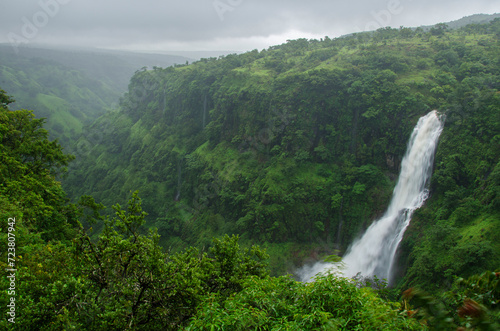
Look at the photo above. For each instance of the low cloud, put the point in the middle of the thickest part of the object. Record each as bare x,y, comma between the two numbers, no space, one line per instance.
238,25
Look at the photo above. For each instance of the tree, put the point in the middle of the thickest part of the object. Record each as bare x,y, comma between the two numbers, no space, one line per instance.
5,100
439,29
29,163
132,283
328,303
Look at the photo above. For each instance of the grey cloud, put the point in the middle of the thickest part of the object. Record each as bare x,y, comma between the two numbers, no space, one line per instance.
110,23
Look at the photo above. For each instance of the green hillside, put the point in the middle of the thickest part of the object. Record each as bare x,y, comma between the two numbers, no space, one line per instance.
298,147
66,97
71,88
57,278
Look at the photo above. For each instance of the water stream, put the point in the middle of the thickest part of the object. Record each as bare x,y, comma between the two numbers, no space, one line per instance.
374,252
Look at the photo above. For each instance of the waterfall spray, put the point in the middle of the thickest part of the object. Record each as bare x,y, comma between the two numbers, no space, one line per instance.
373,254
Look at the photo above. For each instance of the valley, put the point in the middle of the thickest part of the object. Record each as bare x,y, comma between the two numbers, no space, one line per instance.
187,195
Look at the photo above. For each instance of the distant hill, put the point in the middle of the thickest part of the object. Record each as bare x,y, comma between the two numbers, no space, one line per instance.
472,19
71,87
453,25
113,67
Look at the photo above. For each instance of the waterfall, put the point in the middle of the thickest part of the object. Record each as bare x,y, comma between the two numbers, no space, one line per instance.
374,253
179,180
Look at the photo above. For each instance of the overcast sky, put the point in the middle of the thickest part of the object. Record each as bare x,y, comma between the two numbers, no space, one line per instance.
219,25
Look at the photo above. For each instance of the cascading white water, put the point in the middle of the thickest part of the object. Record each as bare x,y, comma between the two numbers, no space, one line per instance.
373,253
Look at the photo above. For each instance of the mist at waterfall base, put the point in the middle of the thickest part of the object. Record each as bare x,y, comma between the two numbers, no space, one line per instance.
374,253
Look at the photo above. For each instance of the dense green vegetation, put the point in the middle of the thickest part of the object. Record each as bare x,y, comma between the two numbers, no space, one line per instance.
70,88
297,147
29,161
124,280
66,97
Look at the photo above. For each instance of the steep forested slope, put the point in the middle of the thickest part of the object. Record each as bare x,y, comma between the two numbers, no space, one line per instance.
299,146
55,277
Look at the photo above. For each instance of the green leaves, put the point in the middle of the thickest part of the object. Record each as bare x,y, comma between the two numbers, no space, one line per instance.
29,163
232,265
129,222
131,282
284,304
5,100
